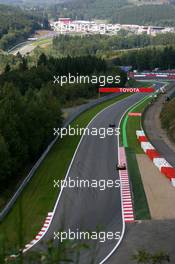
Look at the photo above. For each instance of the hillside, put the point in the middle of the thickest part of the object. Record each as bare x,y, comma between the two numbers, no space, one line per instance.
88,9
16,25
116,11
130,2
32,2
168,118
149,2
149,14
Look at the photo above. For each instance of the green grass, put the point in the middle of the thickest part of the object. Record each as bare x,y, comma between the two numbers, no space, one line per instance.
137,84
129,126
140,201
42,42
133,124
39,196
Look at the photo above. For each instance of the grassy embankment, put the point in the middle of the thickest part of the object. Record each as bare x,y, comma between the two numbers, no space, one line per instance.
42,41
39,196
168,119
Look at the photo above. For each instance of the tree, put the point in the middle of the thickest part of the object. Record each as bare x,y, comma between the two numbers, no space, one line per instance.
7,68
5,161
19,56
42,60
23,65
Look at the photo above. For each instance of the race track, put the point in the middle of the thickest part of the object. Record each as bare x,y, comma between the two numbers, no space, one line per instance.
91,209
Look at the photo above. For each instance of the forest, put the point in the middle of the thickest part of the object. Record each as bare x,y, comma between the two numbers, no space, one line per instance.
31,106
17,25
100,44
148,58
115,11
167,118
87,9
163,15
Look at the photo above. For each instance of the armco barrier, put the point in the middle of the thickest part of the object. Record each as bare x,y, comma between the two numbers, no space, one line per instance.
158,161
79,111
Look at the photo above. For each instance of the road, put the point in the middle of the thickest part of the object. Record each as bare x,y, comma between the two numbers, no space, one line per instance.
87,209
28,46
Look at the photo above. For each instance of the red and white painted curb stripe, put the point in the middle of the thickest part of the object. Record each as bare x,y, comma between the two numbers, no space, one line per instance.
128,212
134,114
161,162
140,133
41,233
146,145
158,161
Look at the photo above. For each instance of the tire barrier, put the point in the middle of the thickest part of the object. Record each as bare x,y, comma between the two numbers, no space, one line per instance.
161,163
127,206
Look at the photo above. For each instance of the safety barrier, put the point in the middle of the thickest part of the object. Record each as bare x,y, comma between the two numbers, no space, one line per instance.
143,139
169,172
146,145
161,163
152,154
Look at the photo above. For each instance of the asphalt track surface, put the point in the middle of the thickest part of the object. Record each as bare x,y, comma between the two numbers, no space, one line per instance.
91,209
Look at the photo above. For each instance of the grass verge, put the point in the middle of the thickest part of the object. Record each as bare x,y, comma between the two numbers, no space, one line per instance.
129,126
140,201
133,124
39,196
